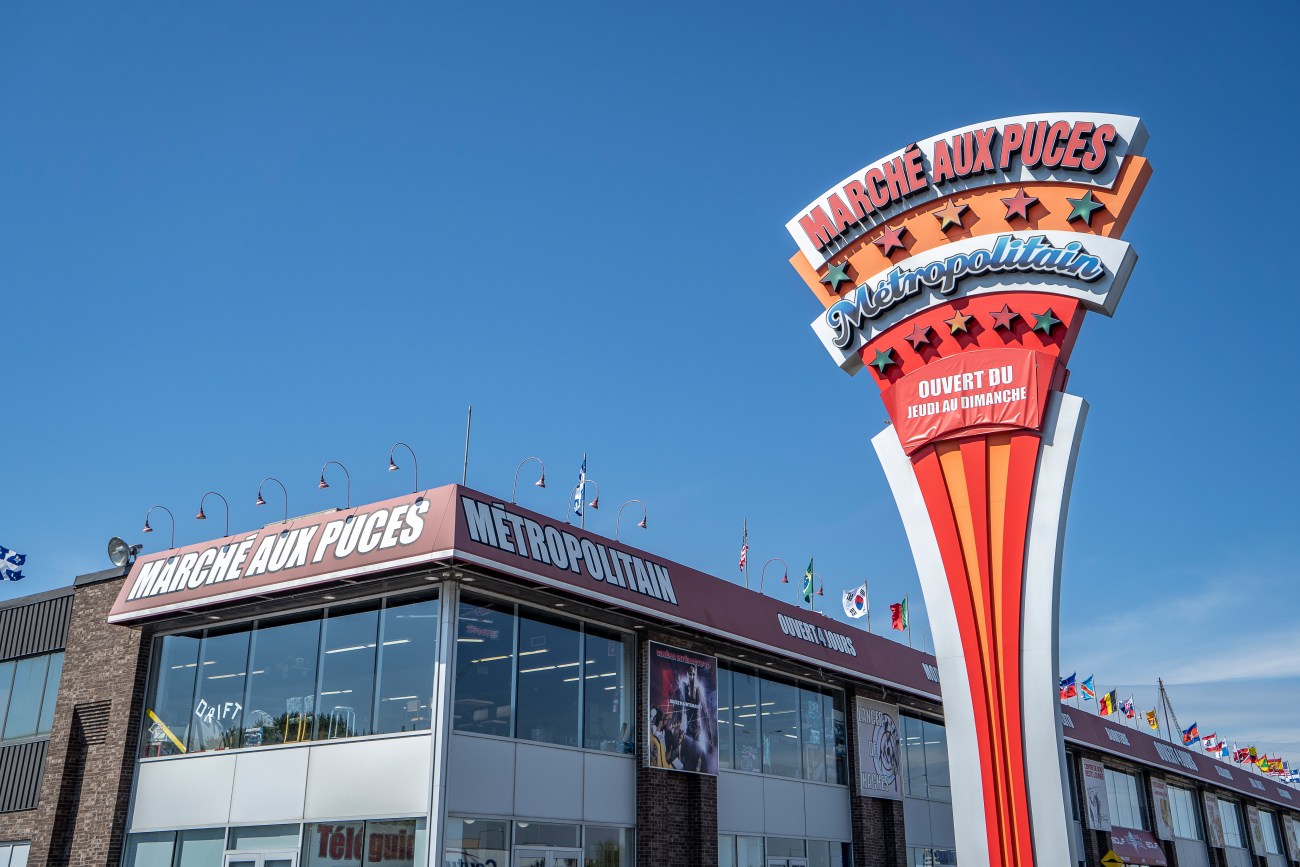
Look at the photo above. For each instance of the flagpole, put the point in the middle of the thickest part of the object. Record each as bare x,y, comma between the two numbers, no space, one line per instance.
909,620
866,583
745,544
469,420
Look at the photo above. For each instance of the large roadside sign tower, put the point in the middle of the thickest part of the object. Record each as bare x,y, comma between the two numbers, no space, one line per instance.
956,274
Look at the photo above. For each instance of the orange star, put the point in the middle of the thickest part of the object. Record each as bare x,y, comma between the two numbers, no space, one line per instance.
957,322
949,215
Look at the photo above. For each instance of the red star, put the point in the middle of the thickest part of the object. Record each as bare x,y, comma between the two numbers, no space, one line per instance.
1002,318
949,215
1019,204
919,337
891,240
957,322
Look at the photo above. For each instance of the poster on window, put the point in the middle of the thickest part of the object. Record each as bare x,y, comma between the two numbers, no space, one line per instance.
1213,821
1292,833
878,750
682,730
1256,829
1096,803
1164,814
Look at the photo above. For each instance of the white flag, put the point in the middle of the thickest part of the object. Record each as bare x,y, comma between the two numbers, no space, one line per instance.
855,601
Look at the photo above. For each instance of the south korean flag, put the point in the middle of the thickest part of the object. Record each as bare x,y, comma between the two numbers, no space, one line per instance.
855,602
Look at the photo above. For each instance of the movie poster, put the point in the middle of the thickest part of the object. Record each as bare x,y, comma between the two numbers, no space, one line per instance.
1213,821
1164,815
683,724
1292,834
1096,802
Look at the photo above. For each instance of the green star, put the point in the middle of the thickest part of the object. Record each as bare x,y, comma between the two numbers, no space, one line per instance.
1045,322
884,358
1083,208
835,276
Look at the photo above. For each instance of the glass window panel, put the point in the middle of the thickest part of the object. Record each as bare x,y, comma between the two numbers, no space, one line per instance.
546,707
819,853
605,710
485,653
749,852
333,844
724,725
813,735
25,697
547,834
1231,824
936,761
779,720
784,847
842,855
476,841
828,739
1182,803
171,698
149,850
52,677
6,850
1269,824
914,757
202,848
349,649
407,656
748,754
393,842
6,683
259,837
726,850
282,682
20,853
219,700
609,847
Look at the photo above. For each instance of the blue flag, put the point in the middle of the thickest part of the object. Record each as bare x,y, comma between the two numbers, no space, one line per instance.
578,492
11,563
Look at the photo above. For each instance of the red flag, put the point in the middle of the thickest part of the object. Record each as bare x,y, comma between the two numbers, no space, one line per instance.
898,615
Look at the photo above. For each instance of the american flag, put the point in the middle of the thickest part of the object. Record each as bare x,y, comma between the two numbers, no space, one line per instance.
744,547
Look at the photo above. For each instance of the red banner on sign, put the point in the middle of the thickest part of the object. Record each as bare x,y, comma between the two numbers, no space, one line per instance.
1137,847
975,392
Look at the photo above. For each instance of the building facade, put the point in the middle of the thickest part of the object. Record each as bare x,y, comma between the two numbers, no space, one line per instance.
445,678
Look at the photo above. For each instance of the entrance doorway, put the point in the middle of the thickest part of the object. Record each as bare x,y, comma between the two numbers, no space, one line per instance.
787,862
270,858
536,856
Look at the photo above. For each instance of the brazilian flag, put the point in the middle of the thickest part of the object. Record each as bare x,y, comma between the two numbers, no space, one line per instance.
808,582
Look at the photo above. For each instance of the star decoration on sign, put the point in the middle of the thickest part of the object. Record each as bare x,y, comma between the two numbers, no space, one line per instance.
1082,208
1045,322
1004,317
919,337
1019,204
835,276
949,215
884,358
958,322
891,240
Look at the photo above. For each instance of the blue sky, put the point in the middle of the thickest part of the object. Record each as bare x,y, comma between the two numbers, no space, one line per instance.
240,240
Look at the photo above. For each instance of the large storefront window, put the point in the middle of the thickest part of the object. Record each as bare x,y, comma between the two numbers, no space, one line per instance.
742,851
342,672
925,759
28,690
384,843
1125,803
373,843
775,727
14,854
539,677
475,842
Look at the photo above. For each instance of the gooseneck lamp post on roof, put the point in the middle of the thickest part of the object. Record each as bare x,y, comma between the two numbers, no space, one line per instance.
262,502
324,484
640,523
392,465
148,529
202,517
579,492
785,572
541,480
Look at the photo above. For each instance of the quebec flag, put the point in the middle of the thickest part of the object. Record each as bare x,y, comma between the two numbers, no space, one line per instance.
11,563
579,491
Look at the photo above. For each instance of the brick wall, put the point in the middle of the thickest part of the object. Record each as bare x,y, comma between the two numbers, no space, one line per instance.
676,812
80,819
878,837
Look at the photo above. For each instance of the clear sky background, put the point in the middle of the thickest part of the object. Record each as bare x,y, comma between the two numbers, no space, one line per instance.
238,240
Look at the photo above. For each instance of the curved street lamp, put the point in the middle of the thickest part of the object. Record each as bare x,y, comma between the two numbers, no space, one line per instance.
785,573
640,523
148,529
392,465
202,517
579,493
541,480
324,484
262,502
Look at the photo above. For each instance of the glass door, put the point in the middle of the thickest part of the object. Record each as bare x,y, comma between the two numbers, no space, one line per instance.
533,856
280,858
787,862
